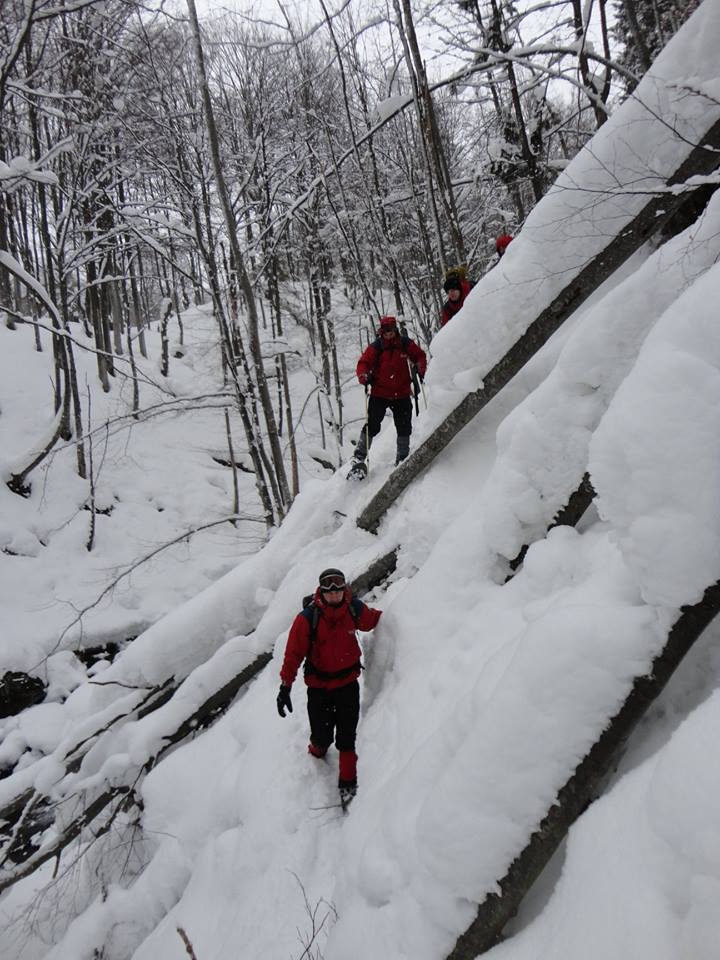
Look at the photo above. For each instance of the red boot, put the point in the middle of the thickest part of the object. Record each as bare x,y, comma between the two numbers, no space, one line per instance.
315,751
347,781
348,767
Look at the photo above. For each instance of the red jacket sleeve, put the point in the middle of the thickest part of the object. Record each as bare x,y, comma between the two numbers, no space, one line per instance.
367,363
368,618
297,648
417,355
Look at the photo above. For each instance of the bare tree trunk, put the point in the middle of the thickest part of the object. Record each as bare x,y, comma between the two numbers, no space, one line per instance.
77,411
233,467
276,313
90,542
239,268
429,183
436,155
164,343
135,321
337,387
133,364
94,310
174,291
105,312
316,308
348,231
501,43
59,348
594,95
527,151
116,311
5,287
140,300
229,342
376,206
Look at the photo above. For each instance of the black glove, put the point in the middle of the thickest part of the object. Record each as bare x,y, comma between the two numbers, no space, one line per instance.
283,700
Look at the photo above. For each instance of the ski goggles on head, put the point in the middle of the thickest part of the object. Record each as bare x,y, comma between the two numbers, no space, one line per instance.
332,582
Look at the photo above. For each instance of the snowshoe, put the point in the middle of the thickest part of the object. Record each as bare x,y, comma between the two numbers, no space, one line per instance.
358,471
347,792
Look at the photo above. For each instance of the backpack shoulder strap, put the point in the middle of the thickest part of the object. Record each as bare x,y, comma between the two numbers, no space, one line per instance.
356,607
377,347
312,614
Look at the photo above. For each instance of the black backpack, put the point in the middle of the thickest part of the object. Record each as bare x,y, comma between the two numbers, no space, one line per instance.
311,612
404,342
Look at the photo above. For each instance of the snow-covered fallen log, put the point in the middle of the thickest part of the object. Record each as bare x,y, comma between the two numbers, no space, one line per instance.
543,446
585,784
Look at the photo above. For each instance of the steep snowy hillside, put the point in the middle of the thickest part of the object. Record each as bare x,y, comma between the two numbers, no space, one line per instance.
481,694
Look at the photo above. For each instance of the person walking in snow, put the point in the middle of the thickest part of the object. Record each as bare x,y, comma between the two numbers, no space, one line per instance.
323,636
385,368
457,287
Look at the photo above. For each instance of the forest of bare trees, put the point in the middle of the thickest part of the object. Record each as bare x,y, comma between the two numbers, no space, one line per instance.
154,158
150,160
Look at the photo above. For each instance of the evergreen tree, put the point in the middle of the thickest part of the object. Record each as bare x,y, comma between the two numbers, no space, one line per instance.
643,27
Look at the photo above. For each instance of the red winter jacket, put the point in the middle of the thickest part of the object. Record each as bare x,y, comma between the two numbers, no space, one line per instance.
449,308
387,363
335,646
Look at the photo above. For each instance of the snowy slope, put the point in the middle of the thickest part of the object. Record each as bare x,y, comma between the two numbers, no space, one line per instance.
479,698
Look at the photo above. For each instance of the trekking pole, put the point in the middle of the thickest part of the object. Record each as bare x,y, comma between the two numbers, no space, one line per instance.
422,390
413,379
367,426
412,370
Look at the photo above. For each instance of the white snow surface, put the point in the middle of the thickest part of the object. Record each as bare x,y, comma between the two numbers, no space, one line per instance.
480,696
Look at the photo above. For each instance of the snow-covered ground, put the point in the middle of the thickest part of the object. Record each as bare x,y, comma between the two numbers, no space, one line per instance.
480,697
156,479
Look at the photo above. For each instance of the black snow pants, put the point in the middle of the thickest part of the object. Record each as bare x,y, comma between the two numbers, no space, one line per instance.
402,415
334,713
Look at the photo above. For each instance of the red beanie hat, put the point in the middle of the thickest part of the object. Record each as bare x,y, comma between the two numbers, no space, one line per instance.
502,241
387,323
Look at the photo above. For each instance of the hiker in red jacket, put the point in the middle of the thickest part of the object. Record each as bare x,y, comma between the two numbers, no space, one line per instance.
323,635
457,286
385,368
501,244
